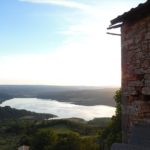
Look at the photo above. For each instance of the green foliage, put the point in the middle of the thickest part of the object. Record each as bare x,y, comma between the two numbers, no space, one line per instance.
112,133
102,122
89,143
71,141
48,134
69,124
25,140
44,140
117,99
12,113
19,127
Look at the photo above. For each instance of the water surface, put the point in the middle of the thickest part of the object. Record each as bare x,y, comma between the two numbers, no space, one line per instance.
61,109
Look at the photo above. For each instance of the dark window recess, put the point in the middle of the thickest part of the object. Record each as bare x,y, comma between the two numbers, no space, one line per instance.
140,76
146,97
139,90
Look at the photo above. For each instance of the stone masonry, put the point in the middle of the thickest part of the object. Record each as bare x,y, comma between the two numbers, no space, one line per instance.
135,40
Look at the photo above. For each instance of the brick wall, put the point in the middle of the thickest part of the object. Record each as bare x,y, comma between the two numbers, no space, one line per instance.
135,75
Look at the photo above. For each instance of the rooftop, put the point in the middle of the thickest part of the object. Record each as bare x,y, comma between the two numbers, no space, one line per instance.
142,10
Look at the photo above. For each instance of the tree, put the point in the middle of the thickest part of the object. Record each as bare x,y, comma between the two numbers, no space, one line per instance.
44,140
24,140
70,141
112,133
89,143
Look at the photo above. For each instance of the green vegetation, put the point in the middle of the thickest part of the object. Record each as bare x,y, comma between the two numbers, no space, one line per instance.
112,133
12,113
63,134
20,127
102,122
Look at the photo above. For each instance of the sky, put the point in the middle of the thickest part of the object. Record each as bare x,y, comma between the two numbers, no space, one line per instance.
60,42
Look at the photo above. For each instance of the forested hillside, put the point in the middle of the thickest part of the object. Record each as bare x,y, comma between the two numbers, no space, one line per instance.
77,95
76,134
11,113
19,127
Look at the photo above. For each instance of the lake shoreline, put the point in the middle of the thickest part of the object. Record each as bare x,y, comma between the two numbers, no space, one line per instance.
60,109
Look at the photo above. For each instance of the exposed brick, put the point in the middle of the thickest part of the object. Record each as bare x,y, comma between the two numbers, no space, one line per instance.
147,83
135,74
135,83
147,76
146,91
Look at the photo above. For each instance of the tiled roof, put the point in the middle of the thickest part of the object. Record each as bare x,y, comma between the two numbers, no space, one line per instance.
139,12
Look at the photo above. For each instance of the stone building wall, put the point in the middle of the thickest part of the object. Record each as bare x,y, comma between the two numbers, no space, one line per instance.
135,75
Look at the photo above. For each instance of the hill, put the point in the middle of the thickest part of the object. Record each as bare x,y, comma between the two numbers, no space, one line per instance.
16,130
11,113
87,97
74,94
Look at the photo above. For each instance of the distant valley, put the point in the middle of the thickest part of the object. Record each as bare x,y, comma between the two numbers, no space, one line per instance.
88,96
19,126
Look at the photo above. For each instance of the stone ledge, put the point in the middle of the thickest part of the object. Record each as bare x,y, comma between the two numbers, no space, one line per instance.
119,146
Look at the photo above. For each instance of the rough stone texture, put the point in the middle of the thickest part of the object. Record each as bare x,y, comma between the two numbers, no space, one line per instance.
146,90
141,135
135,75
118,146
140,139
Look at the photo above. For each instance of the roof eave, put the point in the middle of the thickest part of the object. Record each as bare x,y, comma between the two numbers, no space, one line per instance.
115,26
135,13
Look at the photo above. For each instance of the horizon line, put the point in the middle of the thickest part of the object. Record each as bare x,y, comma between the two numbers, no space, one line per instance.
115,86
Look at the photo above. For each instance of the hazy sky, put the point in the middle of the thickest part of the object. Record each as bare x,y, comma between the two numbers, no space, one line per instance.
60,42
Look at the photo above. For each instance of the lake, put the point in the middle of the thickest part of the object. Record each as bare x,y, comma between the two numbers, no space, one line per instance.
61,109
